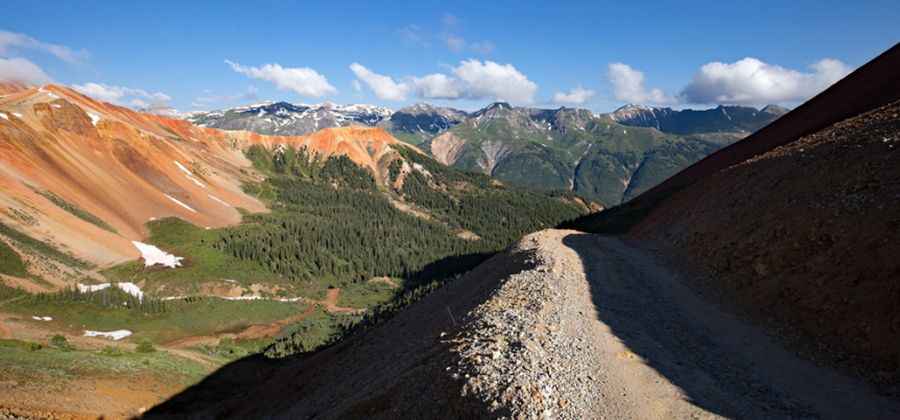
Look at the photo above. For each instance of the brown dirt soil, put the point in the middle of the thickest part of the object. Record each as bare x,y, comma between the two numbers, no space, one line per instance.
397,368
331,300
386,280
805,238
115,398
563,325
250,333
120,165
24,284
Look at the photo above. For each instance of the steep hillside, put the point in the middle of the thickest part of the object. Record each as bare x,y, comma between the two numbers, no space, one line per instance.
816,254
568,149
286,119
739,120
420,122
605,158
70,161
561,325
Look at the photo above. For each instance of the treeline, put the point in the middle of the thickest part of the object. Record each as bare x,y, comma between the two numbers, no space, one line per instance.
477,203
330,219
110,297
300,342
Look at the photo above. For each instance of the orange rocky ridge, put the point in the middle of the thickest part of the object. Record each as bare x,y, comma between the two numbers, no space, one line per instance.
128,167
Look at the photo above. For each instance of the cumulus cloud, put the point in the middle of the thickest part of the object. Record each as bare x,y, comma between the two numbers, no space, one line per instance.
472,79
302,80
121,95
22,70
628,86
751,81
383,86
575,96
498,81
10,41
438,86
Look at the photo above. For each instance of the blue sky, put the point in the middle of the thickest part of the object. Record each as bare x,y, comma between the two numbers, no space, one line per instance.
537,53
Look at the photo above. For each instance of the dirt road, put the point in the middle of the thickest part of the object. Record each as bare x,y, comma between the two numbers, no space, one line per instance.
654,349
563,325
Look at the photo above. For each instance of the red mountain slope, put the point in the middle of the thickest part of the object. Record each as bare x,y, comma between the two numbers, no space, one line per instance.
126,167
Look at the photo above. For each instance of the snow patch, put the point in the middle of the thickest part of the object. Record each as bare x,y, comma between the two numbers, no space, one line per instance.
57,106
180,203
189,174
153,255
18,115
94,118
114,335
41,318
183,169
420,168
220,201
4,116
127,287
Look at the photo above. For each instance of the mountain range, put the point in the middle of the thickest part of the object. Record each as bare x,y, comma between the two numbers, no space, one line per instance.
607,158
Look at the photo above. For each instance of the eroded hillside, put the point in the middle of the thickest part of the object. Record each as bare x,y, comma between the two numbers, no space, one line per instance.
86,176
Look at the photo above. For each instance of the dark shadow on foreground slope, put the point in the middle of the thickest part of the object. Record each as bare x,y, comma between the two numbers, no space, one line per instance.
394,370
723,365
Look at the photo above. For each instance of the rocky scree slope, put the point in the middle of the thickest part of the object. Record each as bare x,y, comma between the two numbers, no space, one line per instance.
815,255
562,325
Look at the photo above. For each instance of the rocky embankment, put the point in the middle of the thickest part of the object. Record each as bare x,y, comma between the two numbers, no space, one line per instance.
562,325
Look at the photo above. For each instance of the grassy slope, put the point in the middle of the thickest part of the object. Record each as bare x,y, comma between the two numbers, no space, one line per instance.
76,211
10,262
206,316
202,262
600,157
25,361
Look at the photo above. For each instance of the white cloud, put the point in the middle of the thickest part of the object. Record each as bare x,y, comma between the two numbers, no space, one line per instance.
302,80
383,86
15,41
472,79
455,43
628,86
22,70
575,96
751,81
121,95
498,81
438,86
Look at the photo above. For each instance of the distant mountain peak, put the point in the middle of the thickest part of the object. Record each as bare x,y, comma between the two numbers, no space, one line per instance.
774,109
737,119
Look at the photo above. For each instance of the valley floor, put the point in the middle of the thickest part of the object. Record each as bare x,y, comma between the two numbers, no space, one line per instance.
565,325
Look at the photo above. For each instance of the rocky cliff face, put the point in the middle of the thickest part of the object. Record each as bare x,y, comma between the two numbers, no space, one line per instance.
722,119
